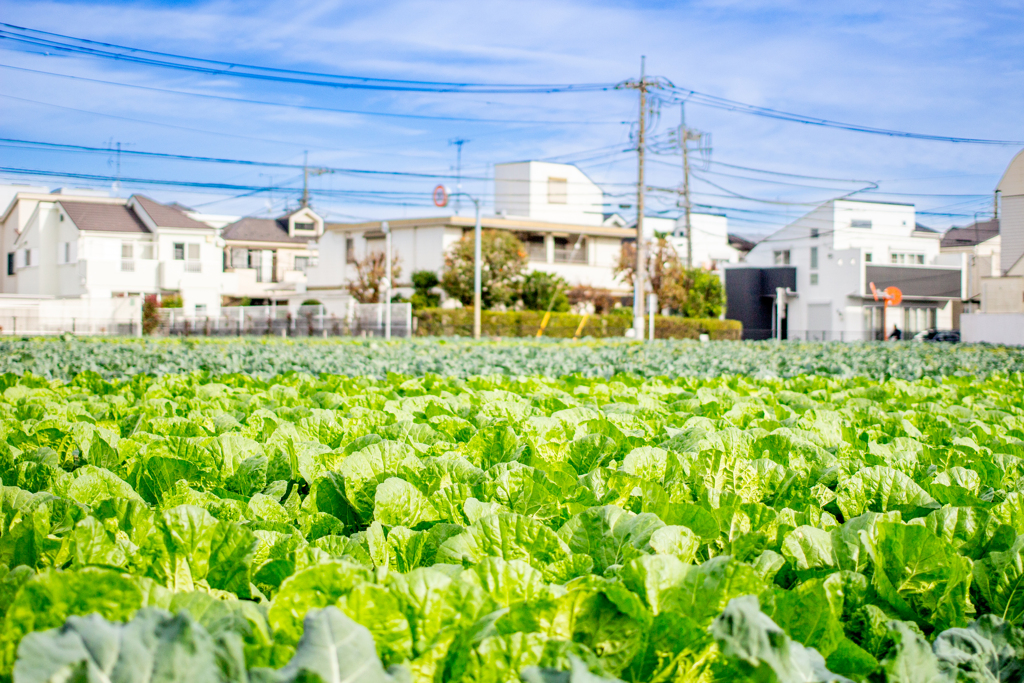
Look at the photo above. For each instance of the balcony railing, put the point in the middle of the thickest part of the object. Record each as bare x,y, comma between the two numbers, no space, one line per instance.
537,251
570,255
193,267
127,265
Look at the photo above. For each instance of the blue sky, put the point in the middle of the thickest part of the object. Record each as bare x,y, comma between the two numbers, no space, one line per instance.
946,68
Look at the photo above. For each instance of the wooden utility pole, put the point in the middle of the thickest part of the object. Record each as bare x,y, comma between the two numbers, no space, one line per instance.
306,171
640,269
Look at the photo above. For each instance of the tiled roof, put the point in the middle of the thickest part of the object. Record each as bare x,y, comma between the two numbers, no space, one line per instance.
167,216
103,217
261,230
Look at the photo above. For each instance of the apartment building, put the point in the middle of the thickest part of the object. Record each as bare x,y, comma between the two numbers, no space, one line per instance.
820,268
89,245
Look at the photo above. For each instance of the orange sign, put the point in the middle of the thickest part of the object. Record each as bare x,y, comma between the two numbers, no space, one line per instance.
891,295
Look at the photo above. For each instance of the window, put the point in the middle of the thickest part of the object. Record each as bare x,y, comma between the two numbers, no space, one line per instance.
10,263
782,258
147,252
814,278
200,309
310,227
536,249
814,258
558,191
239,258
572,249
814,233
179,251
193,265
26,257
914,259
350,250
301,263
67,252
127,262
868,257
861,223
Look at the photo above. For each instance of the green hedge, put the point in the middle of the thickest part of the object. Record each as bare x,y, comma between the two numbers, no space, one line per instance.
439,322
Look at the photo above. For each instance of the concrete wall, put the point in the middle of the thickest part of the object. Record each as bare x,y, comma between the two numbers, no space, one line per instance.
994,328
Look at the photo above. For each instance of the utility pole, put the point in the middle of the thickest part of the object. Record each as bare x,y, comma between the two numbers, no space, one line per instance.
306,171
458,142
685,135
640,270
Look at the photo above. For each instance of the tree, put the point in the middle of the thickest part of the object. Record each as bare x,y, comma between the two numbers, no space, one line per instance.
692,293
370,272
503,259
541,290
423,296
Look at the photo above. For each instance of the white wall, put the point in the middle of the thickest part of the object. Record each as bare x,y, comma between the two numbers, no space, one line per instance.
522,189
994,328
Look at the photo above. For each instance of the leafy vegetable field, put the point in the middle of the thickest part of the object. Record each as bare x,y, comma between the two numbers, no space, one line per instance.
63,359
225,527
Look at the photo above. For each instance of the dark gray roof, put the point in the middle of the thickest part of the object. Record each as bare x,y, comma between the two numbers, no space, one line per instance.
971,235
261,230
741,243
167,216
923,228
103,217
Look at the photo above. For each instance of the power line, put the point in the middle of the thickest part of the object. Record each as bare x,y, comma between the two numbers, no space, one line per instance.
724,104
92,48
55,146
312,107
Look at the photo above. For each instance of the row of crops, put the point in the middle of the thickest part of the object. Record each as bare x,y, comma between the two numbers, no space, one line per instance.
502,528
63,359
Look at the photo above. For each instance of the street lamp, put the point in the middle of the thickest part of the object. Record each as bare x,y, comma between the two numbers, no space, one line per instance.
441,197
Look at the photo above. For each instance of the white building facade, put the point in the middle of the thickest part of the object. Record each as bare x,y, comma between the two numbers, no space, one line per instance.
828,261
555,209
96,247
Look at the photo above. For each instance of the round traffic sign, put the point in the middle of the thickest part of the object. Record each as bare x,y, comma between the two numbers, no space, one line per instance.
894,295
440,196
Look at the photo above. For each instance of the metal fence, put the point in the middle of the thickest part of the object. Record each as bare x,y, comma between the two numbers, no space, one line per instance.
359,320
27,324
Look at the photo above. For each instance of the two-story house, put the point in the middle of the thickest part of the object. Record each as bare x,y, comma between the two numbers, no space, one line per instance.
555,209
824,265
98,247
266,259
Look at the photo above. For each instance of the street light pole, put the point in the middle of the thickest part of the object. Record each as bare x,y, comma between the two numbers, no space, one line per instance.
386,228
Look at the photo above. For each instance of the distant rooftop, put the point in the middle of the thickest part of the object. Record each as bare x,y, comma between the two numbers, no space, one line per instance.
977,233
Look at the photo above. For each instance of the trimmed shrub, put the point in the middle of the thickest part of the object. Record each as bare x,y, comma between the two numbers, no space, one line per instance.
439,322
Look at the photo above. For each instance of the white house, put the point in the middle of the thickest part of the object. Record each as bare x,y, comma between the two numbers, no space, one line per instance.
99,247
553,208
713,246
1001,318
267,258
981,244
828,260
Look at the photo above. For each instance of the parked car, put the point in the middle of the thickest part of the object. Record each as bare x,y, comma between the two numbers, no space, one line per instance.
933,335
